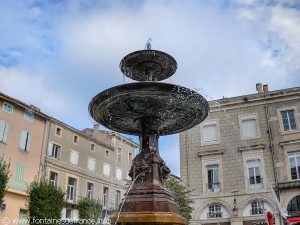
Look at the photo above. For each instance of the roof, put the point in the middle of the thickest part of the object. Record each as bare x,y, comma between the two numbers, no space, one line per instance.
257,96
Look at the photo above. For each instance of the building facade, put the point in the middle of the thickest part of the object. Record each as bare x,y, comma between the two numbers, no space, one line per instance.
22,134
85,164
242,160
91,163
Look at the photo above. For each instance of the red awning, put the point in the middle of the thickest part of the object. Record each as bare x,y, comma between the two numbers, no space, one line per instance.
293,220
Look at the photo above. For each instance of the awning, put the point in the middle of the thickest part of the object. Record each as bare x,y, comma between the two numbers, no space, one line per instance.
293,220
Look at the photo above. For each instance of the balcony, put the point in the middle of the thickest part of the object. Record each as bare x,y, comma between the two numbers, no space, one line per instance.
289,184
214,215
255,182
213,187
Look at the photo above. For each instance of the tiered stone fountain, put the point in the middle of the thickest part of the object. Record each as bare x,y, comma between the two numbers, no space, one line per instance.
148,109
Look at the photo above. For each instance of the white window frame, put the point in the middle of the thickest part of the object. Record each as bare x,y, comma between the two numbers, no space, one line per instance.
118,198
7,104
208,123
4,129
90,192
77,153
105,198
72,189
214,211
257,208
55,181
75,137
255,163
282,131
249,117
51,151
213,186
295,155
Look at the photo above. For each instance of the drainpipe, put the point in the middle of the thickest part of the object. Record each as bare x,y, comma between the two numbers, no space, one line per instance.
41,156
270,135
187,160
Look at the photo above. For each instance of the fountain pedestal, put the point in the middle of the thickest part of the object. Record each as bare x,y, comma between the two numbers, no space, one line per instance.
148,109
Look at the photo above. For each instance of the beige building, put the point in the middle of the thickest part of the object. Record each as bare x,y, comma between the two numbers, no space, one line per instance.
91,163
244,158
22,131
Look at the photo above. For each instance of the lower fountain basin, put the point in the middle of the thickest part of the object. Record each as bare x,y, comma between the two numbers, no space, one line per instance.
166,108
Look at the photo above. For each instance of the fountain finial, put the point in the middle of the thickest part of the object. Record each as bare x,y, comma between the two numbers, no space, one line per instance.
148,44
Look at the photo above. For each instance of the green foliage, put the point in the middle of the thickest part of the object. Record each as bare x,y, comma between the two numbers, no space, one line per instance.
4,178
90,211
45,202
181,196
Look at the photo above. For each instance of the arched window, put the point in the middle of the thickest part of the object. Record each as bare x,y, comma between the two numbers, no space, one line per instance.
294,204
257,208
214,211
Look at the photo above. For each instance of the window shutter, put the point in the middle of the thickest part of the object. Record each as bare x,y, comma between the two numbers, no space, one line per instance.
28,142
23,139
210,132
50,146
74,157
4,127
91,164
106,169
118,173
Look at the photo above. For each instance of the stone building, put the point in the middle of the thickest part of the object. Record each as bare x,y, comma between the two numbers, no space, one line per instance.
22,131
87,164
244,159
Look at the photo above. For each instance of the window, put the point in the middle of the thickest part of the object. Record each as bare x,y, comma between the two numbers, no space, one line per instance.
118,199
18,181
91,164
53,178
92,147
54,150
105,198
29,115
249,127
23,218
90,190
257,208
129,158
254,173
118,174
214,211
71,193
68,213
106,169
119,156
294,206
7,107
25,140
294,161
58,131
74,158
288,120
4,126
75,139
210,133
213,184
107,153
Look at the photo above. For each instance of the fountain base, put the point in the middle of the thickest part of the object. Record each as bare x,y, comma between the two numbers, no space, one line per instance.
148,218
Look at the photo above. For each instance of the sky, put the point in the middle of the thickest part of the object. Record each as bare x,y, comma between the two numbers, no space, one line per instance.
58,54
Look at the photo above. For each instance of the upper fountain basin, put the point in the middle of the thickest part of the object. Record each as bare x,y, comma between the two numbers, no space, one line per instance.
166,108
148,65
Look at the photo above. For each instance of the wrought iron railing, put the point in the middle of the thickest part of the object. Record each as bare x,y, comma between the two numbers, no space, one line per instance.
214,215
213,187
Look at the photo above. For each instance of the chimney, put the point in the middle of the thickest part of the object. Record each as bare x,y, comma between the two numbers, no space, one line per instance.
96,129
259,88
265,88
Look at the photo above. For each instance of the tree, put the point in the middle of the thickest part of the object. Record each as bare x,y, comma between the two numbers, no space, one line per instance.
4,178
181,196
46,201
90,211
